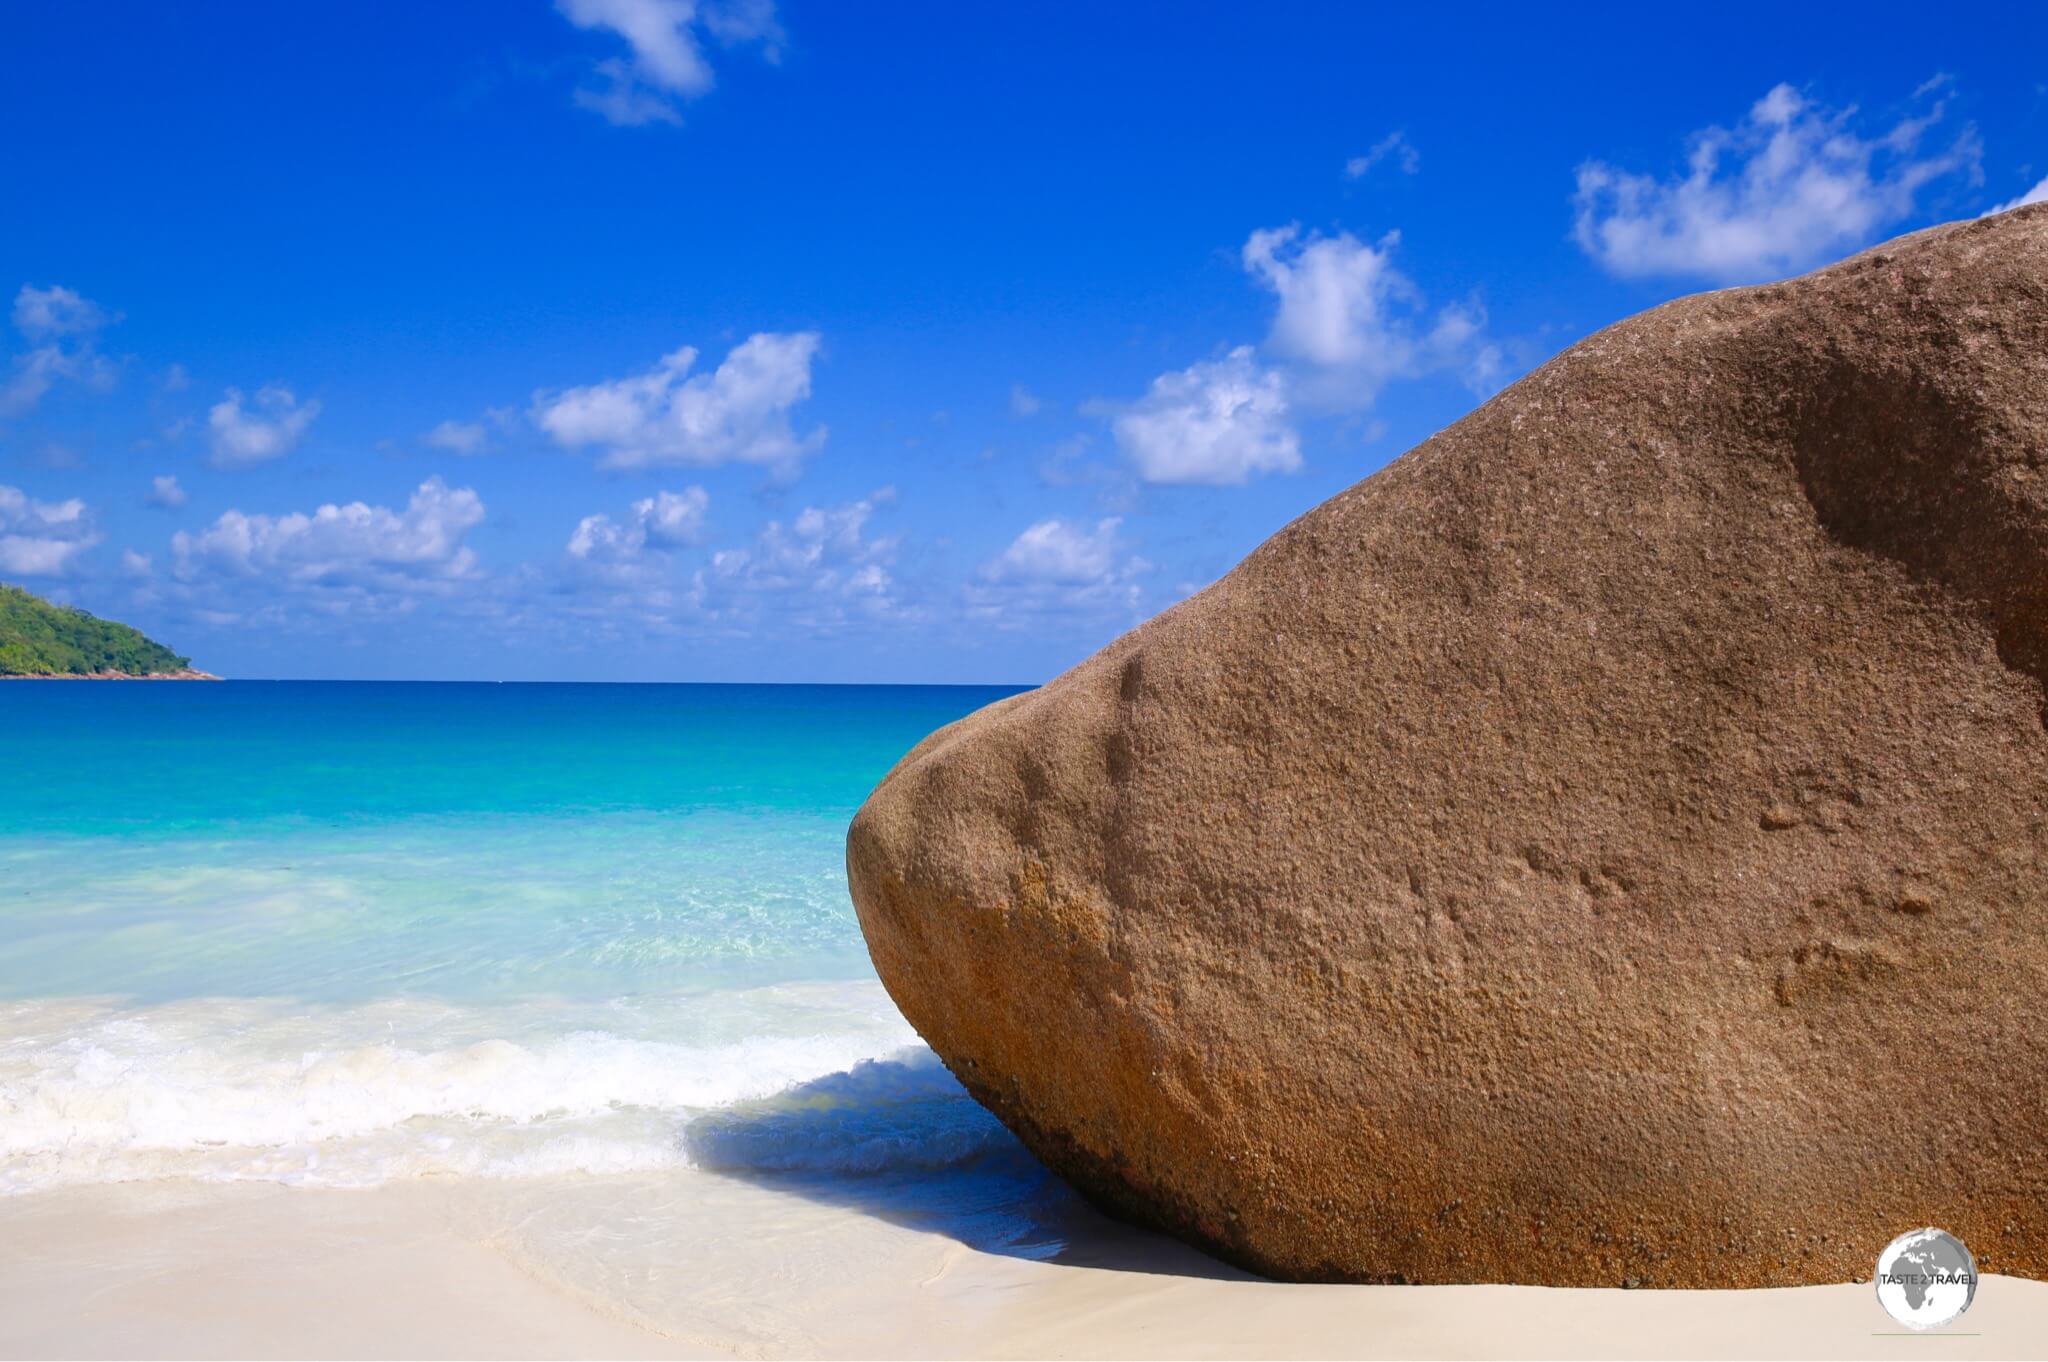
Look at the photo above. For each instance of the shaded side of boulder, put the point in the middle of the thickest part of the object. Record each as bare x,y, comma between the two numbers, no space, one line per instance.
1607,846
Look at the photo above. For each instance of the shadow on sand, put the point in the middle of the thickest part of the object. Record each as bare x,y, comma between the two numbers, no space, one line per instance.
900,1139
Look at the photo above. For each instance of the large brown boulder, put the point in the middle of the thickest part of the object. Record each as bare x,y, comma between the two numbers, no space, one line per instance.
1607,846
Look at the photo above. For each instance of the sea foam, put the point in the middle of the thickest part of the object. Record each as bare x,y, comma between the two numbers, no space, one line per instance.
790,1078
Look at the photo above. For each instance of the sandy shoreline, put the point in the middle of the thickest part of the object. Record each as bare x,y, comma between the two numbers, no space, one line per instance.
458,1268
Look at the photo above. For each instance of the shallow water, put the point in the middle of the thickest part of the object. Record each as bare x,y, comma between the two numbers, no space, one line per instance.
338,934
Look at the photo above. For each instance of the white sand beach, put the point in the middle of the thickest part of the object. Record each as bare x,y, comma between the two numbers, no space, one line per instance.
466,1268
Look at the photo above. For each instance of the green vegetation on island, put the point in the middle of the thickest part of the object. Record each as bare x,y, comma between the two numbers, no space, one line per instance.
38,638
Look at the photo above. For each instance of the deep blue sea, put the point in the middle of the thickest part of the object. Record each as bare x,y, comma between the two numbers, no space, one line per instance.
339,933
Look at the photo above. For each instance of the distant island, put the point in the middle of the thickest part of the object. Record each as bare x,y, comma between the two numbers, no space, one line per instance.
40,639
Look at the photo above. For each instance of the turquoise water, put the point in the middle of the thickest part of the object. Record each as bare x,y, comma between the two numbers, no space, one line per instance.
344,841
339,933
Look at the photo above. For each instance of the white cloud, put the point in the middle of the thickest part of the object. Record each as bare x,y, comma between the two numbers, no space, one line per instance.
1215,422
2038,194
457,437
813,549
62,329
164,491
1395,145
666,61
1789,187
267,428
1337,296
1058,566
665,520
28,556
739,413
816,572
1023,402
45,313
135,564
42,538
34,373
1058,551
622,101
1356,321
818,569
1347,323
356,549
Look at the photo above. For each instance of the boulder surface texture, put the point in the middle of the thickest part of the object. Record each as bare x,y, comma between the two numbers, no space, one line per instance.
1607,846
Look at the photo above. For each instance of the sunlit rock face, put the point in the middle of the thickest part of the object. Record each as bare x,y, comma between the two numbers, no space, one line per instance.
1607,846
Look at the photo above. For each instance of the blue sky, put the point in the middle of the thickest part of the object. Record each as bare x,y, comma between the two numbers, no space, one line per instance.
659,340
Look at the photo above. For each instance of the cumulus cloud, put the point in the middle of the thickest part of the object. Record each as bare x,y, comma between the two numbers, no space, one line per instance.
1355,321
665,61
1346,323
1336,296
62,330
42,538
268,427
666,520
1216,422
819,569
46,313
1396,147
1789,187
1057,566
813,549
1023,402
457,437
738,413
1057,551
356,550
816,572
165,492
2038,194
